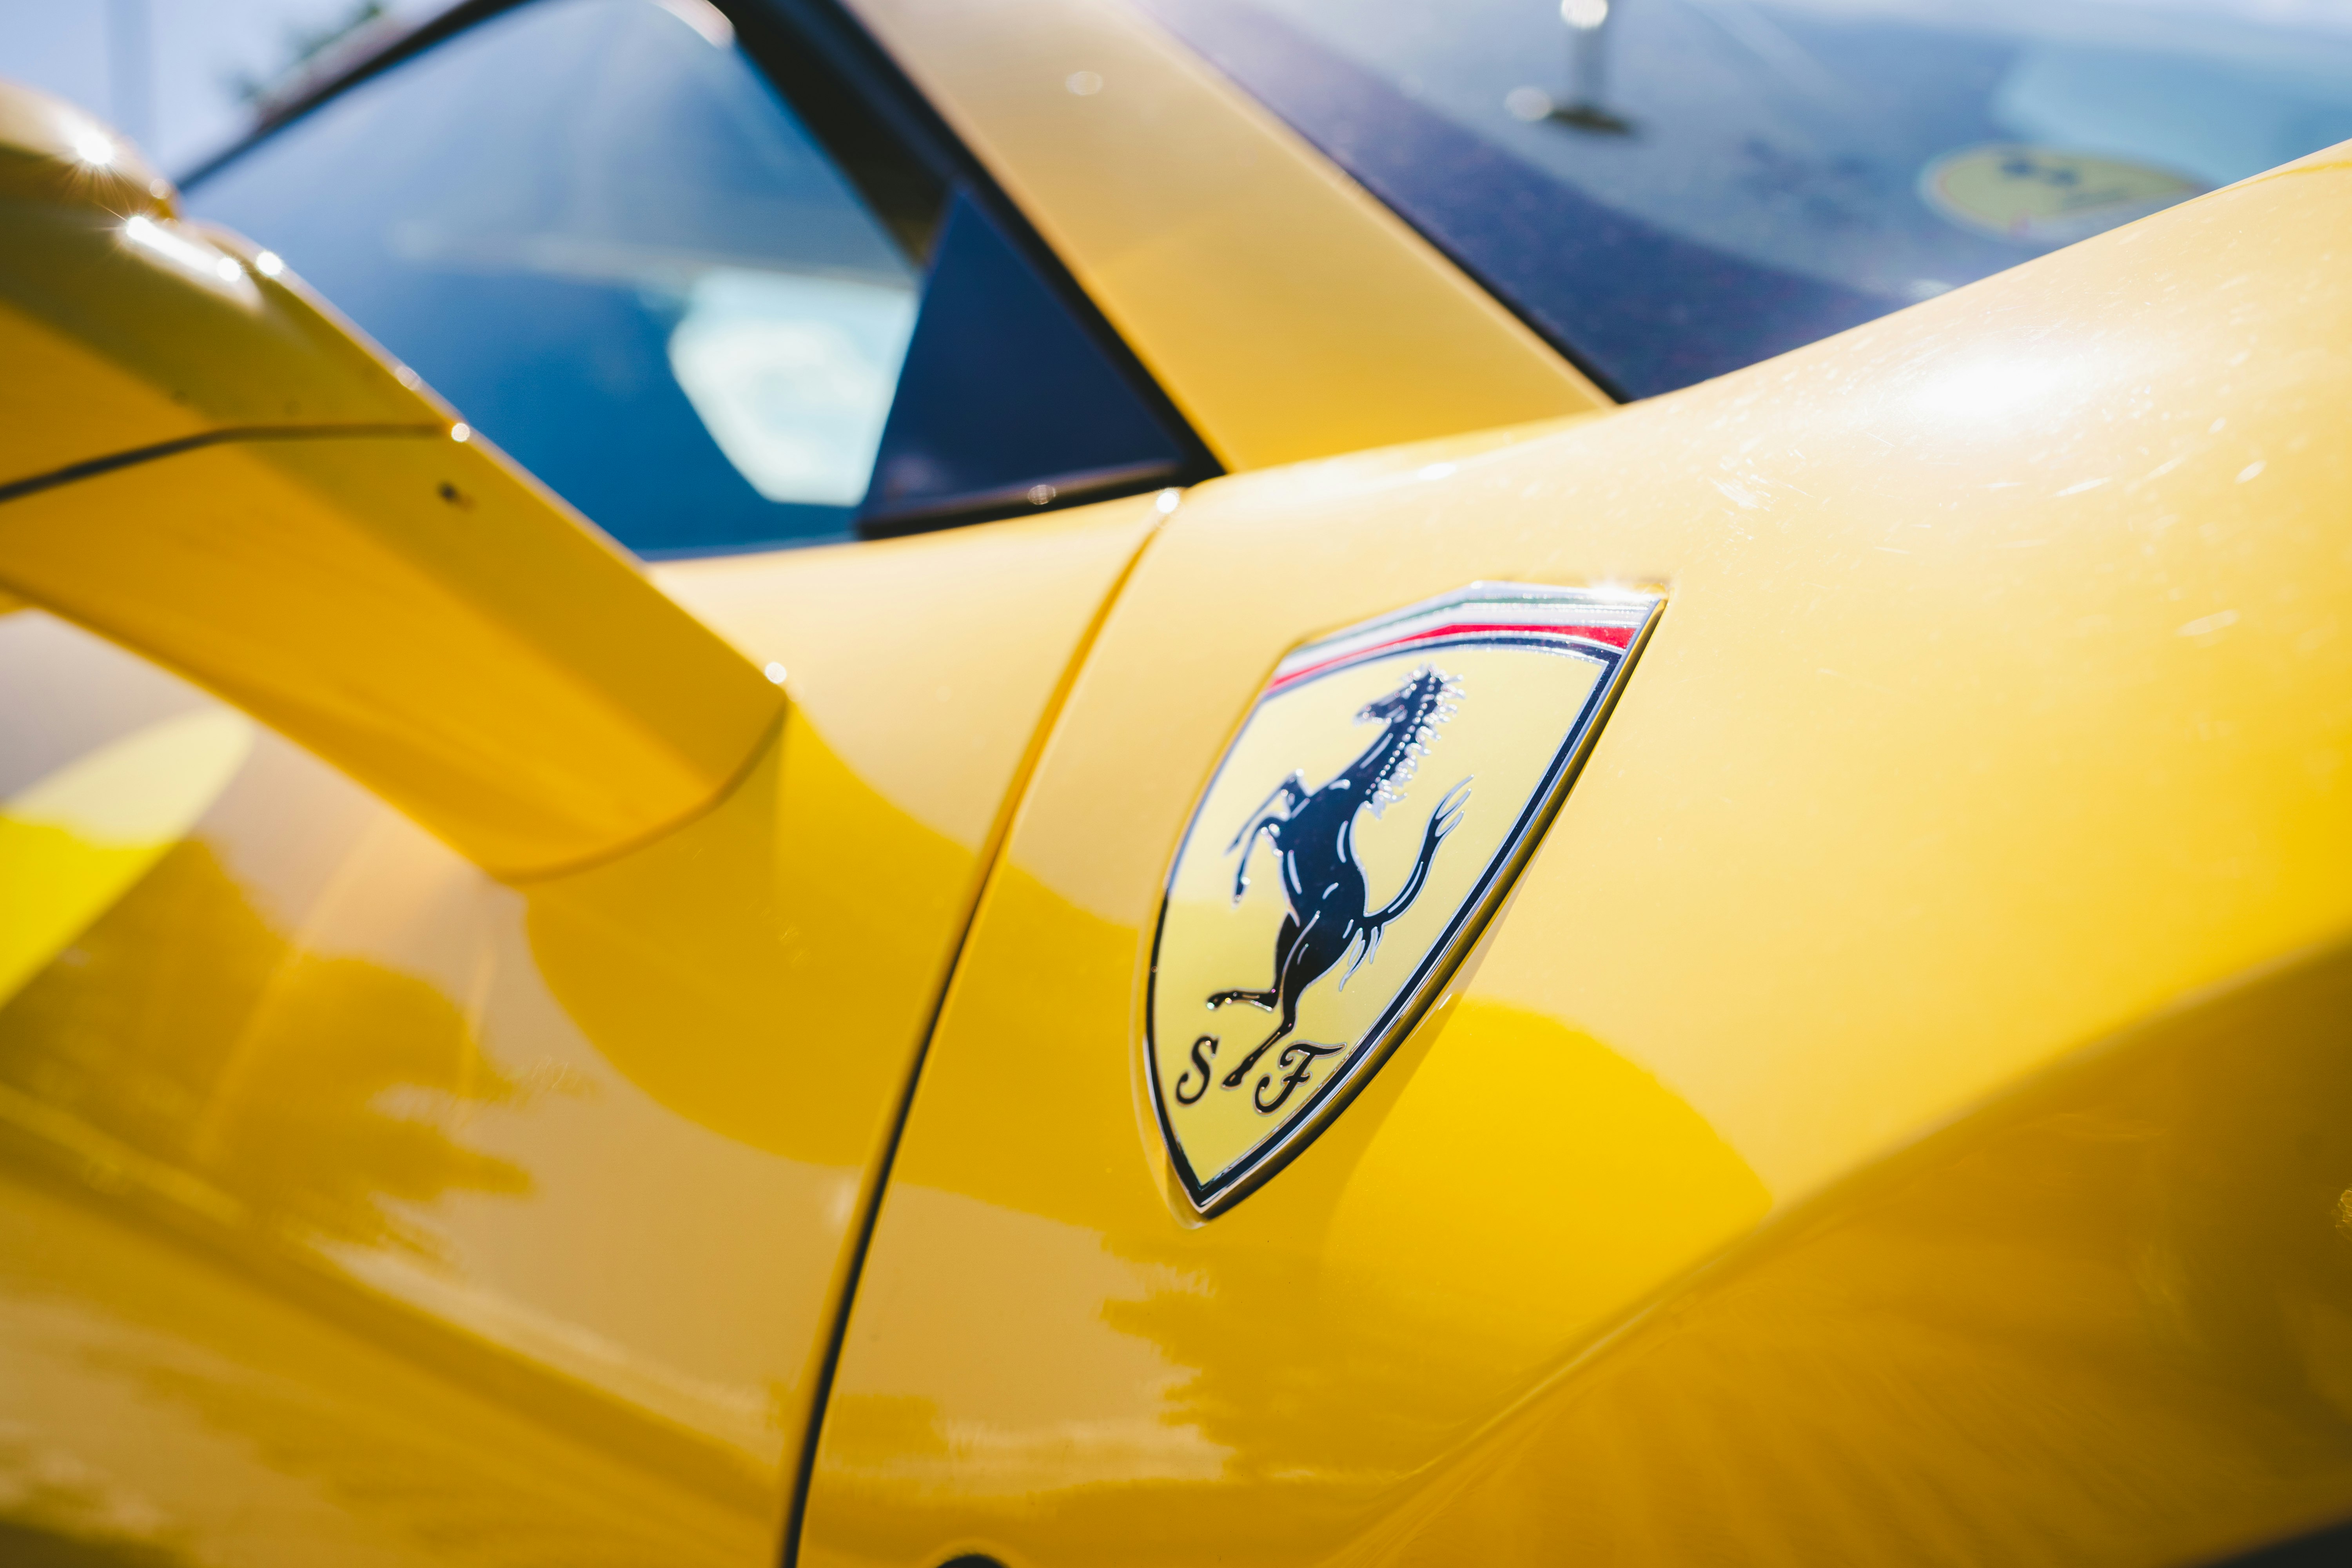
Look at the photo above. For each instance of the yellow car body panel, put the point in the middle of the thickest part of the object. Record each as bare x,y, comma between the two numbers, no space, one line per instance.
529,739
1287,313
1996,710
124,331
339,1161
345,561
1942,943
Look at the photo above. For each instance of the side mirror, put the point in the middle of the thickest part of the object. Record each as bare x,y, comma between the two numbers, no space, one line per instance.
199,460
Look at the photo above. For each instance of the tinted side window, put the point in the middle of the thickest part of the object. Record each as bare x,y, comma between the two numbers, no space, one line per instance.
595,227
1006,401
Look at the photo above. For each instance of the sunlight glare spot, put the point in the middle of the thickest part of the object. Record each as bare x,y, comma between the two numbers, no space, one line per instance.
1996,387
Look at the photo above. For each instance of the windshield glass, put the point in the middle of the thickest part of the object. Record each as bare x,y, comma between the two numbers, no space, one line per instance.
1671,189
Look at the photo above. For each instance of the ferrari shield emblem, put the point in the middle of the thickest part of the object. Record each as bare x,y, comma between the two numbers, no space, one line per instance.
1366,821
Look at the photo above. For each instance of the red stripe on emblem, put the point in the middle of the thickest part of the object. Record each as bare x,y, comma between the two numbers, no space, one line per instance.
1614,636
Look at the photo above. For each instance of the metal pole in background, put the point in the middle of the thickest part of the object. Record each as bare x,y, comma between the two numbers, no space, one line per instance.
1588,39
131,68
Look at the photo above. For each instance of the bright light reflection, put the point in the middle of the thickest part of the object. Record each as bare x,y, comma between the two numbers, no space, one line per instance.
775,672
1993,387
1584,15
268,264
708,21
92,148
793,375
191,255
461,431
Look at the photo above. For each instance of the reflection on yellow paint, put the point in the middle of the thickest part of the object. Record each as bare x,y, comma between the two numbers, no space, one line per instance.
1585,1184
319,1115
211,1399
258,1081
2103,1319
1944,764
357,1208
239,1109
784,933
1054,1337
74,841
861,629
194,1034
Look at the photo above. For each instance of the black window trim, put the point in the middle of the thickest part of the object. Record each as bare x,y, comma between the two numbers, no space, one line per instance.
849,92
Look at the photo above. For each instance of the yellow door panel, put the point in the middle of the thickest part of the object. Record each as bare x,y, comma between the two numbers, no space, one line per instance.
1997,715
1286,312
361,1208
2103,1321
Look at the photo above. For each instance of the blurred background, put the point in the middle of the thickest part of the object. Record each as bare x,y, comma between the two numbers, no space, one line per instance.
185,78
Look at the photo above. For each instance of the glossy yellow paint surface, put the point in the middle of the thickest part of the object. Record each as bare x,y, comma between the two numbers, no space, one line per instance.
415,612
1287,312
75,841
2103,1321
380,1183
1898,1113
1998,708
121,327
345,563
924,661
359,1208
51,151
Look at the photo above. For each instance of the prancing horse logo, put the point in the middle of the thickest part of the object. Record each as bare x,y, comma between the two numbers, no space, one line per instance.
1322,882
1508,683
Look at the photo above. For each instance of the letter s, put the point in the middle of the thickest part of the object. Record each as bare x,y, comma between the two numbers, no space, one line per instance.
1202,1049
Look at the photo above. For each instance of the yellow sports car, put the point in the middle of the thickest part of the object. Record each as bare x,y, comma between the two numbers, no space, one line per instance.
1625,837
